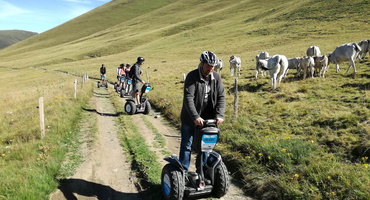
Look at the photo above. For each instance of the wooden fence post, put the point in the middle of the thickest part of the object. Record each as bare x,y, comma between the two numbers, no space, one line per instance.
75,95
42,119
236,100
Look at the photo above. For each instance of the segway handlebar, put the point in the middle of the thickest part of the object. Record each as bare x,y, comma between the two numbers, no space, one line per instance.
209,122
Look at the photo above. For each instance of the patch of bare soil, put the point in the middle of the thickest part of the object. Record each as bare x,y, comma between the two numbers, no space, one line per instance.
105,172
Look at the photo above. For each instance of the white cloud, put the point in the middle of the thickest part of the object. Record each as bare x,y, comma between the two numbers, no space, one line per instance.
9,10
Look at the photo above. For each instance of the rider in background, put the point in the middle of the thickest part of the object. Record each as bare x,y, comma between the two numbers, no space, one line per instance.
121,73
136,80
127,69
103,71
117,71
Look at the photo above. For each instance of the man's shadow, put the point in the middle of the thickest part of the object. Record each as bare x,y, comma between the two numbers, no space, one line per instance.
89,189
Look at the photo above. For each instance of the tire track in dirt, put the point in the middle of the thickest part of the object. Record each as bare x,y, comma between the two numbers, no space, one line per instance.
105,172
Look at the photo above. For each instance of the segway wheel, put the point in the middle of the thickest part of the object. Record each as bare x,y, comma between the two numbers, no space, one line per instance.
122,93
221,185
106,85
173,183
98,84
115,86
147,108
130,107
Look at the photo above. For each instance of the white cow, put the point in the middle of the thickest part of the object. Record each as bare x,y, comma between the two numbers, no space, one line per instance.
365,47
264,55
293,63
345,52
261,66
321,64
313,51
219,66
307,64
277,66
235,64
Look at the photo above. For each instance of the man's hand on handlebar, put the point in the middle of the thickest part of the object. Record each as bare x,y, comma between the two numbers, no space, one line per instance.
199,121
219,121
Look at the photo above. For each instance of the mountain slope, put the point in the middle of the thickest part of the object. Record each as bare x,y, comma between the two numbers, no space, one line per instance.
9,37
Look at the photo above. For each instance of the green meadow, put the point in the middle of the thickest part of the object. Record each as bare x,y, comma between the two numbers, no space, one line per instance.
309,140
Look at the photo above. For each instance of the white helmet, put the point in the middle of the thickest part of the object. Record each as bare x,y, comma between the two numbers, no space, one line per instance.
209,57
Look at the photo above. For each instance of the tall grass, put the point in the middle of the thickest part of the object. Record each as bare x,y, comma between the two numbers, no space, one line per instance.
30,165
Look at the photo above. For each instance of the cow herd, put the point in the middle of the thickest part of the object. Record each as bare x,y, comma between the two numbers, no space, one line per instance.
311,64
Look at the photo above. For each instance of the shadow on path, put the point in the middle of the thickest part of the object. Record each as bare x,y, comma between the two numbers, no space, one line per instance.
70,187
103,114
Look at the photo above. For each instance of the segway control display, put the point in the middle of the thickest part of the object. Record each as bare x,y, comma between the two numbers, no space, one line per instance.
209,142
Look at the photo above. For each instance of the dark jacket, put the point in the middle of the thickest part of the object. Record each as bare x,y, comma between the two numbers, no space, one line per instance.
135,73
194,94
103,70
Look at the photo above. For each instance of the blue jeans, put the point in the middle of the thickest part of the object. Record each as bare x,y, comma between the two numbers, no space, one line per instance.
187,133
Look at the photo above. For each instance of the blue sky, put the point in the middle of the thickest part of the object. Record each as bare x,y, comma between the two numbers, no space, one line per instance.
42,15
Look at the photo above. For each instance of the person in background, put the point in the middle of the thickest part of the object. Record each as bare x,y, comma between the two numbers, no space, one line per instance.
136,79
103,71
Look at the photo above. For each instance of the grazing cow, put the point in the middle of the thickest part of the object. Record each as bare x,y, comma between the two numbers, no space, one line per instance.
313,51
307,64
293,63
321,64
345,52
219,66
235,64
365,47
264,55
261,66
277,66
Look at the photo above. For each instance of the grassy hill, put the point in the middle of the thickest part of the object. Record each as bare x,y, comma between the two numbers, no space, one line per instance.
308,141
9,37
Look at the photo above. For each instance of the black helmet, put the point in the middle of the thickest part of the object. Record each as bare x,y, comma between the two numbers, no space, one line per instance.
140,59
122,65
209,57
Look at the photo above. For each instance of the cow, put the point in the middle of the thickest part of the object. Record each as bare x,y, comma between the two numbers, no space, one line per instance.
235,64
293,63
261,66
219,66
345,52
365,47
307,64
313,51
261,63
263,55
321,64
277,65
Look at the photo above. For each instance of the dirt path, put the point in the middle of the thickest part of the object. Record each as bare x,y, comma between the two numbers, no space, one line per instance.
104,173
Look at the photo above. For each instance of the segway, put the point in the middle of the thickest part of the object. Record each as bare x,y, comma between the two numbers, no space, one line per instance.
103,82
121,85
126,91
144,106
211,179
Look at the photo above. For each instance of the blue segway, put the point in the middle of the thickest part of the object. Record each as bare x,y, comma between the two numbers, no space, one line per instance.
210,179
144,106
103,82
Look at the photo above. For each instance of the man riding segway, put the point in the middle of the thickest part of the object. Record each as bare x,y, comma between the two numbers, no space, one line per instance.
204,98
